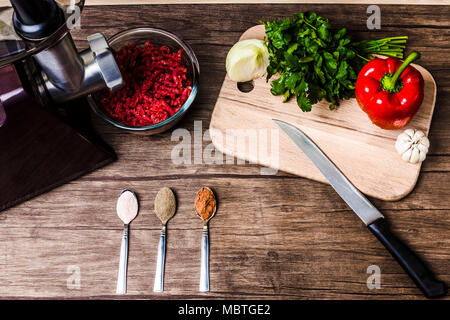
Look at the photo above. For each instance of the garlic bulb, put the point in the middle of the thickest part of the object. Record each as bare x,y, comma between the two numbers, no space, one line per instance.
412,145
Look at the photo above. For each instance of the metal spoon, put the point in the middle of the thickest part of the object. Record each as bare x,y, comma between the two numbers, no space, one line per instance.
165,207
127,210
204,270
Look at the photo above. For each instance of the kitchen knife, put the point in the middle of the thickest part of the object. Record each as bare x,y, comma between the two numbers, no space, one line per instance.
372,218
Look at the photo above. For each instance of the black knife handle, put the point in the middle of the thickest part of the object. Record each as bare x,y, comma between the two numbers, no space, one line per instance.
414,267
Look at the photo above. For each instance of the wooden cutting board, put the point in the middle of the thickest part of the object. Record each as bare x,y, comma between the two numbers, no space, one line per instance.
362,151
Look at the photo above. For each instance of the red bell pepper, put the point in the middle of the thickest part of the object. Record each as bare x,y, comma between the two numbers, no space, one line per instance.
389,91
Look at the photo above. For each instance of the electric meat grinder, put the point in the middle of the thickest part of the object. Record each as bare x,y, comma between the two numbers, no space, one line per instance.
46,136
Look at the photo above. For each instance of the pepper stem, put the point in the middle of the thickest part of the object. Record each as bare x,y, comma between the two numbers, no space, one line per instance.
389,82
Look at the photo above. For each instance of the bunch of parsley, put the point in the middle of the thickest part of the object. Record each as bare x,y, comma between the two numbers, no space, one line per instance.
314,62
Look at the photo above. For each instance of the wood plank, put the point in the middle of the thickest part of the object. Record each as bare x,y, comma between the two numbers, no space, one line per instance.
131,2
317,249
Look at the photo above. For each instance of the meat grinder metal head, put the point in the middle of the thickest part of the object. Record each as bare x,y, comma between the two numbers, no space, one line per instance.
66,73
46,143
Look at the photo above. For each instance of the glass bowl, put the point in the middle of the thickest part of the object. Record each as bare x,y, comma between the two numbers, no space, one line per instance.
158,37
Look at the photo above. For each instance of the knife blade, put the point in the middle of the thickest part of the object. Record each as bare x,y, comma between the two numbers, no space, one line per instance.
372,218
352,196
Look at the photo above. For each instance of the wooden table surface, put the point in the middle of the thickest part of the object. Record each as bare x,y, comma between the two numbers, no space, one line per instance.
128,2
274,236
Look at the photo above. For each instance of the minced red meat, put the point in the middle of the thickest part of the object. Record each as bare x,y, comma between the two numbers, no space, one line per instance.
156,85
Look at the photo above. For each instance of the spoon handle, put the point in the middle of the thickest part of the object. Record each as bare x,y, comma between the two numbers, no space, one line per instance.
122,277
158,286
204,271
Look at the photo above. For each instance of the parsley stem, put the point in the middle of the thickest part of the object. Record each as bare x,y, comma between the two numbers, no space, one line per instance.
365,59
310,25
391,47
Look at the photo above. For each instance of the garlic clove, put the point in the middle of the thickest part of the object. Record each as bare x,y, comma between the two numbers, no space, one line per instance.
409,132
407,154
415,154
404,138
424,141
418,135
422,148
403,146
422,156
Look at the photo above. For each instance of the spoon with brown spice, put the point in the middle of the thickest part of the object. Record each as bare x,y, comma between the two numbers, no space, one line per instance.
127,210
206,207
165,207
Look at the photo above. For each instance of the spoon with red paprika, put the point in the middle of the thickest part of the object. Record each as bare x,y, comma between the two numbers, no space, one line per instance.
389,91
206,207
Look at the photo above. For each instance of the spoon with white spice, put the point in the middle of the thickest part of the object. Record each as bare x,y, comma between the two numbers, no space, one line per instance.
165,207
127,210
